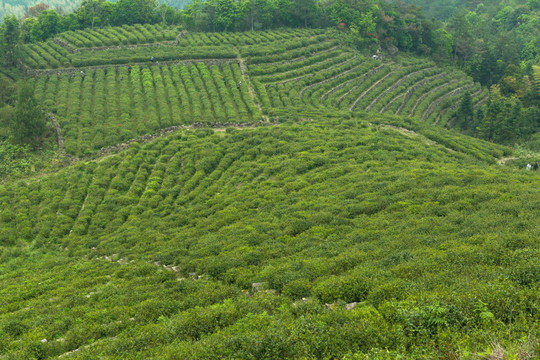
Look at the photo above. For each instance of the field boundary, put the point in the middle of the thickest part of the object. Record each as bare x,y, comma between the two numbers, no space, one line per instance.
75,70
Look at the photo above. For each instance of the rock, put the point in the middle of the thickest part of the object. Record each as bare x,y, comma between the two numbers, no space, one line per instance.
351,306
258,286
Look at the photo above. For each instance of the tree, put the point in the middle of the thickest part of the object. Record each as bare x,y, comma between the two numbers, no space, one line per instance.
35,11
512,123
49,20
9,39
443,42
134,12
305,11
89,12
28,125
228,14
464,39
465,113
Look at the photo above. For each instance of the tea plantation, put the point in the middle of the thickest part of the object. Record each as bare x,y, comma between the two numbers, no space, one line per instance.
225,78
261,195
228,244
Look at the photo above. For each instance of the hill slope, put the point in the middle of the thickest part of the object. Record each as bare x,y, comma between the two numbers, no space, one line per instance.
154,252
217,78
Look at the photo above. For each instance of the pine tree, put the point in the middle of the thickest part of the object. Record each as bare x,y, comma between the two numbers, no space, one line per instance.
465,113
512,123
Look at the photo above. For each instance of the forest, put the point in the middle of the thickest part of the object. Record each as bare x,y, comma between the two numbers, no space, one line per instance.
270,179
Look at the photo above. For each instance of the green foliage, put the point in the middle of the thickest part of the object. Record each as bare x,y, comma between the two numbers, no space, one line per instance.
28,123
153,252
9,40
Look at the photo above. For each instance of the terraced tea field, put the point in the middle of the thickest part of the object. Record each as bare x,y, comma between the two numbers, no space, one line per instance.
111,105
332,76
224,78
137,43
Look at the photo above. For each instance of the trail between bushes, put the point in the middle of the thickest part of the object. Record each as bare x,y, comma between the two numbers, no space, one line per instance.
217,127
396,84
111,150
60,139
415,87
282,82
411,134
246,79
361,79
504,160
329,79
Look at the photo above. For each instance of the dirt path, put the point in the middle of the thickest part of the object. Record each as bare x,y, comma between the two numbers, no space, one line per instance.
454,106
60,138
298,59
217,127
361,79
111,150
504,160
383,110
481,102
247,81
415,87
411,134
282,82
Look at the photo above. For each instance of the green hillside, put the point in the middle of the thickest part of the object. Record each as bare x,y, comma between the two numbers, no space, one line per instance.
228,244
196,76
294,193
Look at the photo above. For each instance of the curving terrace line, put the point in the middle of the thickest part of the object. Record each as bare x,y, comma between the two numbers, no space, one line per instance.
436,103
362,79
353,106
426,94
396,84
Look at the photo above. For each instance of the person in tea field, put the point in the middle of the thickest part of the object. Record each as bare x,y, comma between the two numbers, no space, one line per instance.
82,74
153,59
238,85
528,167
535,166
129,69
224,80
